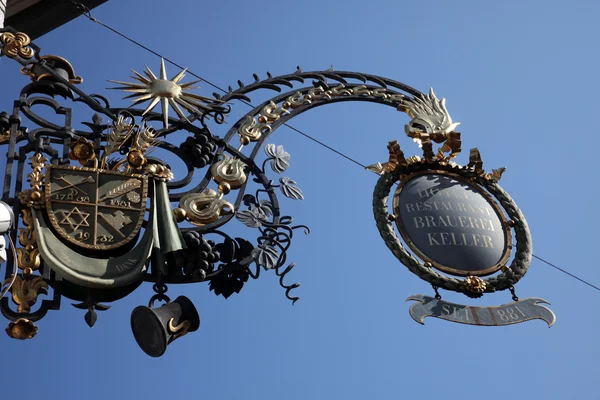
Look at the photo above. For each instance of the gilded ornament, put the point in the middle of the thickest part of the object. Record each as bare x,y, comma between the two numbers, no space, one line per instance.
25,292
146,139
496,175
271,113
475,160
21,329
297,100
55,62
179,214
413,160
36,178
167,92
82,150
204,208
224,188
476,163
159,172
229,170
430,123
179,330
28,257
252,129
136,158
124,188
16,45
475,284
5,136
36,195
396,156
119,134
33,197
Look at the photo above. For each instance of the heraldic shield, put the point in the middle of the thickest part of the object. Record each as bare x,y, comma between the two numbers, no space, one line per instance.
95,209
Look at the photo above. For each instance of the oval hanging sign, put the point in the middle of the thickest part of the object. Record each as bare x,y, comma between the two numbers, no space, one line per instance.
453,224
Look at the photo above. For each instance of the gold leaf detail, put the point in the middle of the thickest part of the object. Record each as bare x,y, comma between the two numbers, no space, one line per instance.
253,128
396,156
431,122
146,139
251,131
229,170
159,172
204,208
475,284
21,329
496,175
5,136
125,187
28,257
120,132
26,291
16,45
475,160
36,178
82,150
377,168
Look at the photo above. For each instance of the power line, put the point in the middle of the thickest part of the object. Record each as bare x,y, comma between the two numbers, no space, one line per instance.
566,272
87,13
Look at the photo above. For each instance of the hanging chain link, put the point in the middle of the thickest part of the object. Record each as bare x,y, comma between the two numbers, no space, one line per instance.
512,291
438,296
160,289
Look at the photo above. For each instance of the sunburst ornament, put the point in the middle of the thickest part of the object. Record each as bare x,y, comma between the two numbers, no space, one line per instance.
167,92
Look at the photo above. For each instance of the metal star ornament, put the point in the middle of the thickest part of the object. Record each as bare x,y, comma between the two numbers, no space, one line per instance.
166,91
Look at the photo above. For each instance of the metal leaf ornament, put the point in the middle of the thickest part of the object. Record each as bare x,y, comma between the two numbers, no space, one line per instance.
265,256
280,159
289,189
266,207
253,217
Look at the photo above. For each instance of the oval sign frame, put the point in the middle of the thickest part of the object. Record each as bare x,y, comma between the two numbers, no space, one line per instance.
424,270
485,195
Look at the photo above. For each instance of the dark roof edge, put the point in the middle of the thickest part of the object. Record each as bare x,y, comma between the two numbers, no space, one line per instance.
46,16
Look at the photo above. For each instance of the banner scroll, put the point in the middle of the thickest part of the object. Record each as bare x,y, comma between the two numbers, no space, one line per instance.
506,314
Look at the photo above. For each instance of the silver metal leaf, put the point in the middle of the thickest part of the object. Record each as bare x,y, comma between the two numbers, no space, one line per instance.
265,256
289,189
248,218
280,158
266,207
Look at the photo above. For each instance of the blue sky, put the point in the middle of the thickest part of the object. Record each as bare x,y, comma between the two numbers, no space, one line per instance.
520,76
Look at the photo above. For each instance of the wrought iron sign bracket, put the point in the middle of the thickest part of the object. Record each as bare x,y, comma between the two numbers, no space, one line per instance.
97,215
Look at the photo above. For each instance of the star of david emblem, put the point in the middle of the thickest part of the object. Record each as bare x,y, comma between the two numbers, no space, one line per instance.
75,219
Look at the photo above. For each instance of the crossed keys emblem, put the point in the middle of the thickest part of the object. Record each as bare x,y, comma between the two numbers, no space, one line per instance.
95,209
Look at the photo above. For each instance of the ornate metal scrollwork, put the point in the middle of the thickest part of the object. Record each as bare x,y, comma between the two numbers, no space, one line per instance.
186,221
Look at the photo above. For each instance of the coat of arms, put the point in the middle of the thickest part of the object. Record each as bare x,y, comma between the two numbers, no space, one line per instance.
100,207
95,209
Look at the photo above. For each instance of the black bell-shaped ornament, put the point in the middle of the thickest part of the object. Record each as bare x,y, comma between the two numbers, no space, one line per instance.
155,328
